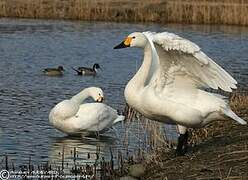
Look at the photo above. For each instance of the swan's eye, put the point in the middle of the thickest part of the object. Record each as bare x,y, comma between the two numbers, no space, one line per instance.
99,94
133,37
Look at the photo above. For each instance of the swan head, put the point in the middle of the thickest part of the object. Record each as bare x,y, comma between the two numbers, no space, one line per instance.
136,39
96,93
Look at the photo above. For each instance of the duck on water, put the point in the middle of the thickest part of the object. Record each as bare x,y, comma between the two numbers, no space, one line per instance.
59,71
87,70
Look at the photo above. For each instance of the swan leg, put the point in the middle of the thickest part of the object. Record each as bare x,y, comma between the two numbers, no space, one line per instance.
97,134
182,144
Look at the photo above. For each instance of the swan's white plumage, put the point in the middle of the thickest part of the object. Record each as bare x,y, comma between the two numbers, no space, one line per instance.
167,87
181,57
74,118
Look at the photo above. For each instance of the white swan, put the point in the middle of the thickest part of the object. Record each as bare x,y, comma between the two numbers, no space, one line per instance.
168,87
74,118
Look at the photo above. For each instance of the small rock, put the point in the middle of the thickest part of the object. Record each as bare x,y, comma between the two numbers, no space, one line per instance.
127,178
136,170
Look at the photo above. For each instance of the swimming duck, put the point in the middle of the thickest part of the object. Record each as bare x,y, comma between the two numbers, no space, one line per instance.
54,71
87,70
74,117
169,85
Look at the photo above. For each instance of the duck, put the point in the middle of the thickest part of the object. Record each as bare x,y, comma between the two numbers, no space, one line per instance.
76,118
172,82
59,71
87,70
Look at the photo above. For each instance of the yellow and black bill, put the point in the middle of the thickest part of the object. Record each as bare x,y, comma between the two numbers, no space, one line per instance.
100,99
124,44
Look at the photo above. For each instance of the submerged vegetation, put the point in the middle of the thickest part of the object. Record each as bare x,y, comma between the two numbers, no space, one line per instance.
232,12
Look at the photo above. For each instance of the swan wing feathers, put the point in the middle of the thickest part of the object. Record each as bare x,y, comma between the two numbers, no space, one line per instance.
95,117
63,110
182,60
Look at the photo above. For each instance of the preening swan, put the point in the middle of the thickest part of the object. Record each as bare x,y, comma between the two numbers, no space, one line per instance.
169,85
74,118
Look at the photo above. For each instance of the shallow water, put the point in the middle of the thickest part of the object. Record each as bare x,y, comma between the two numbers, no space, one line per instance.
26,95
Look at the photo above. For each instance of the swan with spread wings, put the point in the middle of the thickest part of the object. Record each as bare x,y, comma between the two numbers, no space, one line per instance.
169,85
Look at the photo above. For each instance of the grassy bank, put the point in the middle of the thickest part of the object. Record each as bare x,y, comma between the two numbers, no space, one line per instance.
232,12
223,155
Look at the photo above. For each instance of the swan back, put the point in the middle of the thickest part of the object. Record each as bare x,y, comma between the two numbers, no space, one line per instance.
90,117
95,117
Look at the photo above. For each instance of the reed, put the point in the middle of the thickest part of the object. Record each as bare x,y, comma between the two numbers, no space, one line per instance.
151,134
208,11
233,12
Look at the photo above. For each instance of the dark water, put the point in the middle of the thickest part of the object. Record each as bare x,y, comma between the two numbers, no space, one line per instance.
26,96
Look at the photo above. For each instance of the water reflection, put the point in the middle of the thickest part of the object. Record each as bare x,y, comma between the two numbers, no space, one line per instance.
79,151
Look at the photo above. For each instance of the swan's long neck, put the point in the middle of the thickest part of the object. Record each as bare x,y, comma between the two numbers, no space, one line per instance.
67,109
143,74
80,97
140,79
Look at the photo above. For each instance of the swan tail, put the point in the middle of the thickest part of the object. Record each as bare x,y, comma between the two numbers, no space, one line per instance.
229,113
118,119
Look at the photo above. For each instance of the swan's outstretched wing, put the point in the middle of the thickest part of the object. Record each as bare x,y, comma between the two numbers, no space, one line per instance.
182,61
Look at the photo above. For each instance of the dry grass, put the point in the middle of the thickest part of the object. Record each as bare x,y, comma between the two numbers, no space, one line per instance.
160,11
222,154
208,11
152,134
